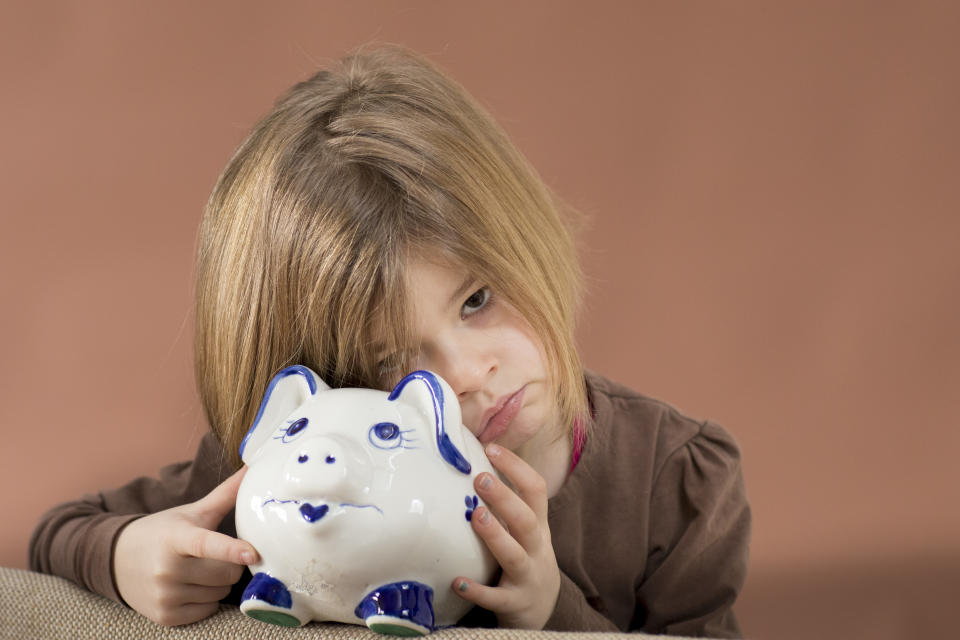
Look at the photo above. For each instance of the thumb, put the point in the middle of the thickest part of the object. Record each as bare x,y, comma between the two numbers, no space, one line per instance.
209,511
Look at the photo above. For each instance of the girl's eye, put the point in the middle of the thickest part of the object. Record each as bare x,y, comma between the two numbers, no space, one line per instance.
477,301
389,364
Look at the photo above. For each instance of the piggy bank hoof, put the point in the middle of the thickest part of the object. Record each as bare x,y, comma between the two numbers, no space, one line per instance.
399,609
274,617
394,626
268,600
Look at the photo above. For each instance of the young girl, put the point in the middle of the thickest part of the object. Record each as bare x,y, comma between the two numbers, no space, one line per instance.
378,221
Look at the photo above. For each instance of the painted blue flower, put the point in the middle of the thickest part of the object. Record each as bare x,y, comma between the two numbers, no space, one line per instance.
471,502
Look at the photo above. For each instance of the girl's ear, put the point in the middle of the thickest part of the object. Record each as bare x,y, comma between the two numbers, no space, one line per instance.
435,398
288,390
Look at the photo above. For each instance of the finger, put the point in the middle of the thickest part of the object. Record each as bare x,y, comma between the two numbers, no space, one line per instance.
496,599
210,510
213,545
210,573
529,484
509,553
518,517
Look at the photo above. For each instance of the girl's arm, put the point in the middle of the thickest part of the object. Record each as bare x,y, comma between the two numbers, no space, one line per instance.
699,540
77,540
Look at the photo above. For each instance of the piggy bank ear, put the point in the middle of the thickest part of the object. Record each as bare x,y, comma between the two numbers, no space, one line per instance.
436,400
289,389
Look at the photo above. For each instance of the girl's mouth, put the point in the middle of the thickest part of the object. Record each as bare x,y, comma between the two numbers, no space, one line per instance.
499,421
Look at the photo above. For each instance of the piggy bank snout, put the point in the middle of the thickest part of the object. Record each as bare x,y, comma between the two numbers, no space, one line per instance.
321,465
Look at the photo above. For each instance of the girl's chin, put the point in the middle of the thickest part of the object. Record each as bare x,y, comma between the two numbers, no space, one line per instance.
518,441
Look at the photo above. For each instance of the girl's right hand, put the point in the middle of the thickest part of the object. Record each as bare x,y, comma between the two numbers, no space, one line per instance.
173,567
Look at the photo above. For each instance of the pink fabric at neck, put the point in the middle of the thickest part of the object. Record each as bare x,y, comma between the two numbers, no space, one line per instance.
579,439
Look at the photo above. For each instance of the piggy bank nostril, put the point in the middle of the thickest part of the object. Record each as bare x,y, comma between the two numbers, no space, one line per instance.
331,459
303,458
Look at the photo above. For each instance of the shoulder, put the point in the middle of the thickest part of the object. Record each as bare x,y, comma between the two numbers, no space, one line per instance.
691,468
620,406
626,421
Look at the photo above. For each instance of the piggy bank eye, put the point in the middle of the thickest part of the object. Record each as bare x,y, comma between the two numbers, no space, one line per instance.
297,427
386,430
293,429
385,435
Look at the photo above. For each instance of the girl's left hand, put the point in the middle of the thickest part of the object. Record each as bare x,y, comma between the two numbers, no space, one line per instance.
530,583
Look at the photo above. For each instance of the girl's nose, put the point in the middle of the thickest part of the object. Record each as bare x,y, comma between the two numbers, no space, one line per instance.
466,364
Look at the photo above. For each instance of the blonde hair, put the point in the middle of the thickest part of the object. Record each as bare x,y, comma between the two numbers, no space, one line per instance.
305,237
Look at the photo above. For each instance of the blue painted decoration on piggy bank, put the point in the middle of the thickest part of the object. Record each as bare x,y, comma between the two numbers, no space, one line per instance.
359,503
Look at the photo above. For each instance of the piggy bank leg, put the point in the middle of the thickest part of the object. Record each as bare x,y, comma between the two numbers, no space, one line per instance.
398,608
268,599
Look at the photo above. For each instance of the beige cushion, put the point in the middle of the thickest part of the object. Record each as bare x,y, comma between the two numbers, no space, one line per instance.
42,606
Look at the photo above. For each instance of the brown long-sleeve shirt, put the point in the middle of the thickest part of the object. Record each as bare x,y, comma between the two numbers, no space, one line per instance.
651,530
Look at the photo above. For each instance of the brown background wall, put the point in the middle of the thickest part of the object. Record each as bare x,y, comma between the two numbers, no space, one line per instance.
775,244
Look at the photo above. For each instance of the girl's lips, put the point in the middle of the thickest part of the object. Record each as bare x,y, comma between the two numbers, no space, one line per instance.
501,419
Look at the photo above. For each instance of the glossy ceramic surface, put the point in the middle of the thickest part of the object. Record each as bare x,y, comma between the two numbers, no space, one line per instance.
359,503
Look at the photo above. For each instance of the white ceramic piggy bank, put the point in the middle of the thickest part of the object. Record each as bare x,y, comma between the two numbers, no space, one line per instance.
359,503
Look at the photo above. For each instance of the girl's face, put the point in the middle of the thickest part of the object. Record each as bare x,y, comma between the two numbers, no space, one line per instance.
484,349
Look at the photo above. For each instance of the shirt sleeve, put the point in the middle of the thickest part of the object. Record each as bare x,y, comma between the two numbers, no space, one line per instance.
699,540
75,540
573,612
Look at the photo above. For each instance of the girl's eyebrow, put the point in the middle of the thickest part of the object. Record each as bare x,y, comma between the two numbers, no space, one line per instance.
456,298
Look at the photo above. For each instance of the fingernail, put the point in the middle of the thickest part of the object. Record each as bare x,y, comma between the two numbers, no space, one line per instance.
493,450
485,516
462,586
247,557
485,481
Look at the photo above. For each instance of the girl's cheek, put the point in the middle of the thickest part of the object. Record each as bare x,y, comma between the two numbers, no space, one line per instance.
472,429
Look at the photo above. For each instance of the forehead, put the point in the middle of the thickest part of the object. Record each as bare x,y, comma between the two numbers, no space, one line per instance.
433,282
432,286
